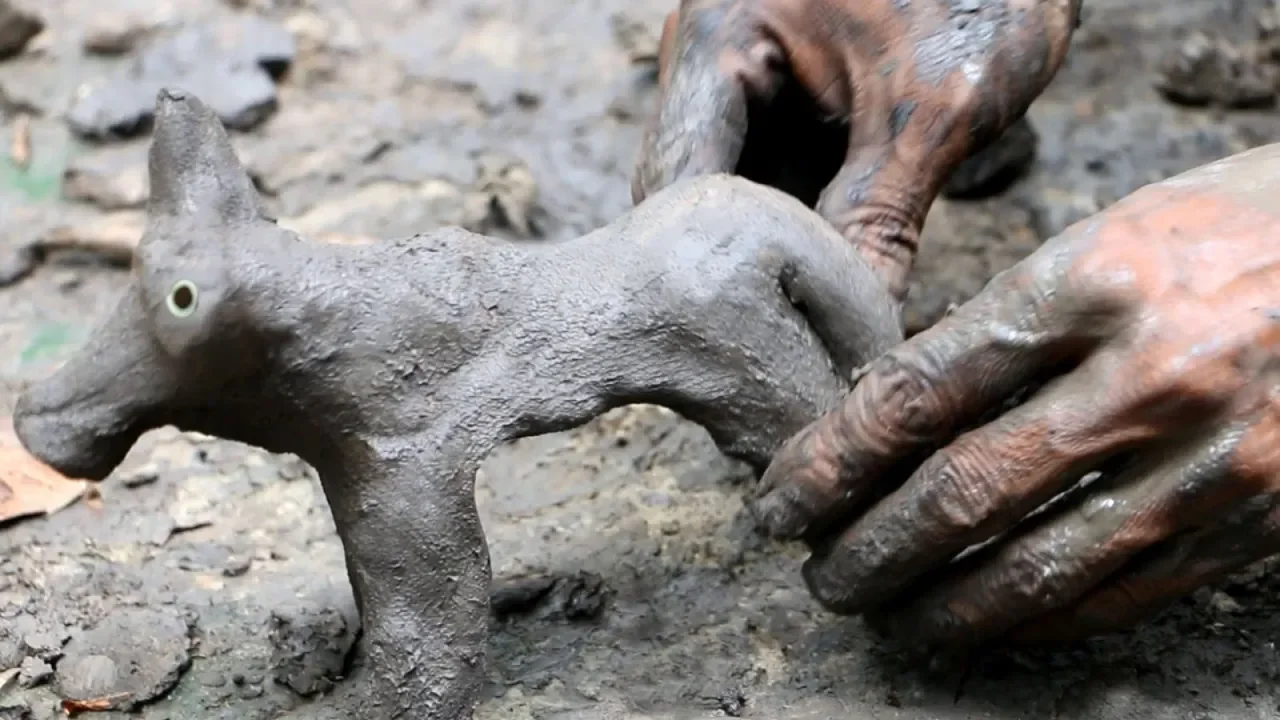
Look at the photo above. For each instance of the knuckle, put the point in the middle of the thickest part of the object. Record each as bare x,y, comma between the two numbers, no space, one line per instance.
827,587
902,401
956,492
1182,375
1034,576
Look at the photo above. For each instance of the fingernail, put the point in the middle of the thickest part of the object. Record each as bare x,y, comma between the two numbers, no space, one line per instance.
828,586
778,515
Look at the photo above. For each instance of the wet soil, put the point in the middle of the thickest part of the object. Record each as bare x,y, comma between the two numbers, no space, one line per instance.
205,580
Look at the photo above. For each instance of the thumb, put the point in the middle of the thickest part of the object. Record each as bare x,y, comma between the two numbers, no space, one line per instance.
878,202
901,150
708,57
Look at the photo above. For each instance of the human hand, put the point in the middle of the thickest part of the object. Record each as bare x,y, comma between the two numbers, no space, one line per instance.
916,86
1152,331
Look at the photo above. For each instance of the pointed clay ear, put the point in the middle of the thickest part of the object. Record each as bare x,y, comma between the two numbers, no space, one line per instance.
194,170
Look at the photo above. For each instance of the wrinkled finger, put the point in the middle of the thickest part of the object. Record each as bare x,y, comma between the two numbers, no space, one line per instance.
878,202
712,57
1073,547
1171,571
915,119
1208,548
983,484
842,300
1027,322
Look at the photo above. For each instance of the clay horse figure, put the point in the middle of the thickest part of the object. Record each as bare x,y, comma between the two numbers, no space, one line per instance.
395,368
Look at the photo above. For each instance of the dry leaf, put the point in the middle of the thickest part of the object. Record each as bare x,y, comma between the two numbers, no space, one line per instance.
71,707
20,147
8,678
29,487
113,237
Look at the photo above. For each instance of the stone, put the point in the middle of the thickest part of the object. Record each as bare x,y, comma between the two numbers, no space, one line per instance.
132,656
33,671
18,25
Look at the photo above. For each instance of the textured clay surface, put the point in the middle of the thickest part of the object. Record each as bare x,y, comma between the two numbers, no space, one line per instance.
395,368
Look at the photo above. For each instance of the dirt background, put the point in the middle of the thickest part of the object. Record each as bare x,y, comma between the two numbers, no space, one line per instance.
214,567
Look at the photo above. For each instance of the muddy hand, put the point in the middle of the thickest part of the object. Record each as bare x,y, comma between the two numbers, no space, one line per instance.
1152,332
903,89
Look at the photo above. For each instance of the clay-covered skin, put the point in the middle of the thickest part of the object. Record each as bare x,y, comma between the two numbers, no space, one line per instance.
887,96
395,368
1152,331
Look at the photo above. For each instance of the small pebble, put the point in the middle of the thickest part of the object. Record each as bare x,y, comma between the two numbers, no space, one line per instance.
44,645
68,280
34,671
139,477
1224,603
237,566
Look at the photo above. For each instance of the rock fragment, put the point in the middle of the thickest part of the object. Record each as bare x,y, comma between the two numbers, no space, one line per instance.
116,33
1206,69
33,672
17,26
637,36
232,65
1267,26
15,712
309,648
113,178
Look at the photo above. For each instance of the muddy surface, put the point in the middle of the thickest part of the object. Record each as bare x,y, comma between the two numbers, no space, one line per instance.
205,579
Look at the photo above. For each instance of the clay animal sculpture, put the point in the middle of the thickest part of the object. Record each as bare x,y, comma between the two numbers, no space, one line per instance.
395,368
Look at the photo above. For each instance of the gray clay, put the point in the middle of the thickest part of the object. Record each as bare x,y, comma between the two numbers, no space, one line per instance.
395,368
131,657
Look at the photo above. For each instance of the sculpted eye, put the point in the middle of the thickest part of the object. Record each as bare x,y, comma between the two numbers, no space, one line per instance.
182,299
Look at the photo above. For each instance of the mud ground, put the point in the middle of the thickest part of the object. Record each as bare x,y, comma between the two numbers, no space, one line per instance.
629,583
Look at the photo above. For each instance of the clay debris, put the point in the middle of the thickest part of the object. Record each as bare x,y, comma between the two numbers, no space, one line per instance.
18,25
1208,67
133,656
